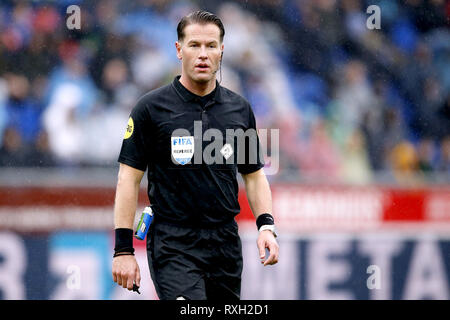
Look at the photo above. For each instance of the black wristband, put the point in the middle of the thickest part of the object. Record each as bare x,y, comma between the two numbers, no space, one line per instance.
264,219
125,253
124,240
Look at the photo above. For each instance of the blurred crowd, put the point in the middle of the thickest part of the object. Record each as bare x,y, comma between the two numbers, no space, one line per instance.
352,104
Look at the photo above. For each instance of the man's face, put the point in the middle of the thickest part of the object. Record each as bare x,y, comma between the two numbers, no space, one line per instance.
200,51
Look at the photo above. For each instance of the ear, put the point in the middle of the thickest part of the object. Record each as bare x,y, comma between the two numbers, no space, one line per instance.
179,50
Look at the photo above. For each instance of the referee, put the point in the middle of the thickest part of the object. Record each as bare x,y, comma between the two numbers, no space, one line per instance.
193,246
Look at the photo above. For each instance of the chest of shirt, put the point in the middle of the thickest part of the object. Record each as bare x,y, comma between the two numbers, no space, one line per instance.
191,119
207,130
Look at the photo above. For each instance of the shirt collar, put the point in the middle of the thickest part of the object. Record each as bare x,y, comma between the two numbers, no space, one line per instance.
186,95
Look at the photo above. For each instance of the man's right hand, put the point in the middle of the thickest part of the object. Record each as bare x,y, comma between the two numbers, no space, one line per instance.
125,271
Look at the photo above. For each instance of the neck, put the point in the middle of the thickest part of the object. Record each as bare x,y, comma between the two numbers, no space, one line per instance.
199,88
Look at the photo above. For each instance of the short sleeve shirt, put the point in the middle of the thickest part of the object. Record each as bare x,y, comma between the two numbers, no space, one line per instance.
193,148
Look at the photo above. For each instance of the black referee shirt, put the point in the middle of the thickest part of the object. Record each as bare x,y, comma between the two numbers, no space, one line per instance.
191,182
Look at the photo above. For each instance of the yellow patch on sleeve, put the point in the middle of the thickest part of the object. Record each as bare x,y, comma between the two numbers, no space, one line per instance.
130,128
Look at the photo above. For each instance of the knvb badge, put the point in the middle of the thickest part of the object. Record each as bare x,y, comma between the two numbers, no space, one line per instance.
182,149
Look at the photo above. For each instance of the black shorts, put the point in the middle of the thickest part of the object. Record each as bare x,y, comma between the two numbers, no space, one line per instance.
195,263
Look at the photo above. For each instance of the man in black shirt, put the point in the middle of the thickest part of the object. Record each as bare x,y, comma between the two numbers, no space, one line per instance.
194,250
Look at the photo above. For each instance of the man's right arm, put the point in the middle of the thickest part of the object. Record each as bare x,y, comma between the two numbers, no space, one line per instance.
127,192
125,269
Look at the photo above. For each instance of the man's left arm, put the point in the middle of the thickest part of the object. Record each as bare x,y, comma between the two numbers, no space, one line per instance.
260,200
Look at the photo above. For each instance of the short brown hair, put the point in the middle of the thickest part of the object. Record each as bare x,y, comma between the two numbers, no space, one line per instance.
201,17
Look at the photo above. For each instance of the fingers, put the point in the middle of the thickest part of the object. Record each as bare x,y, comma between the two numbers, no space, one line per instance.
125,274
126,279
273,248
273,257
129,283
116,276
262,250
138,277
121,278
134,278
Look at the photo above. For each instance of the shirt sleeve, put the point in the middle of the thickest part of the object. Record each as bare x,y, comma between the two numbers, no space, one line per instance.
254,156
136,143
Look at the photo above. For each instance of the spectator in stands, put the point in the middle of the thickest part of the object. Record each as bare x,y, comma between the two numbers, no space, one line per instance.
373,128
404,163
13,150
355,166
23,112
431,99
443,165
63,124
3,113
115,75
39,154
443,116
74,71
354,95
319,158
426,155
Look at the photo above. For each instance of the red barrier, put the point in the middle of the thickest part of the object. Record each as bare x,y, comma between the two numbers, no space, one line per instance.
296,207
